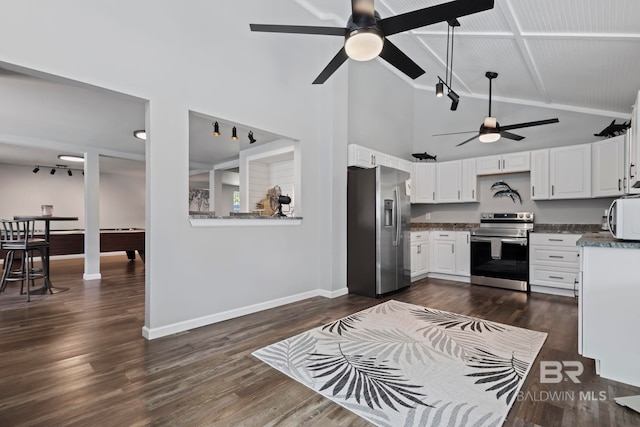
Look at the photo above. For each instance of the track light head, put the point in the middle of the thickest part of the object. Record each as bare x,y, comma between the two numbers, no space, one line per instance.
36,169
69,172
454,100
251,138
216,129
234,134
53,171
439,89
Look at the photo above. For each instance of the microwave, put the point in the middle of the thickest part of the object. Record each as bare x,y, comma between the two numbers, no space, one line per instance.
624,218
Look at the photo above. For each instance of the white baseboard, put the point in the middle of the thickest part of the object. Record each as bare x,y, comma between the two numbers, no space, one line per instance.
95,276
454,277
162,331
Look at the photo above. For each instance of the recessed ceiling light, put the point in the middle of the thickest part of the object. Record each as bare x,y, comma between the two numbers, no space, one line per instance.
71,158
140,134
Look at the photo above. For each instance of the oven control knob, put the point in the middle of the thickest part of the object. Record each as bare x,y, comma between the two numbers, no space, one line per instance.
484,215
528,215
490,215
519,215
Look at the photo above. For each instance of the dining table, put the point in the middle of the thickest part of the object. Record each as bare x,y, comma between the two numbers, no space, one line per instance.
48,287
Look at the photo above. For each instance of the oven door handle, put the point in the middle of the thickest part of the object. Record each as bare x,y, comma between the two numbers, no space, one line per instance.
511,240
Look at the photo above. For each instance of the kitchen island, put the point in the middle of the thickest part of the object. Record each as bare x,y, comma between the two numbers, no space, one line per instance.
609,287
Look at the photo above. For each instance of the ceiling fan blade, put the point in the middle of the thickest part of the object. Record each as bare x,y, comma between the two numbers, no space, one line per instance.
510,135
299,29
454,133
398,59
335,63
362,6
431,15
468,140
529,124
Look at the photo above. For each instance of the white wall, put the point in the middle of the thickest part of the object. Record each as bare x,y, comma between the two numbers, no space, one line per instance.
121,197
576,211
190,64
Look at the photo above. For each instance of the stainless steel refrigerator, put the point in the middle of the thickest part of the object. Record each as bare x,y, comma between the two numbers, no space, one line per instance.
378,227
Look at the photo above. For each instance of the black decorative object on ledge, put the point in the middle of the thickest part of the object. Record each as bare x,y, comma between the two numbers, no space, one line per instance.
614,130
424,156
502,189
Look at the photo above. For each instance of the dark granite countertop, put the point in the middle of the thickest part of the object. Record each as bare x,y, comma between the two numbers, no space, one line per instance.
604,239
452,226
566,228
271,218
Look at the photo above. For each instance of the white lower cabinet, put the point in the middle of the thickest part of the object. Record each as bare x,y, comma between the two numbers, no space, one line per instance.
443,257
419,253
463,253
554,263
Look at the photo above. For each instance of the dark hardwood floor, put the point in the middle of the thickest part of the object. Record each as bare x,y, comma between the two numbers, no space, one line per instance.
78,358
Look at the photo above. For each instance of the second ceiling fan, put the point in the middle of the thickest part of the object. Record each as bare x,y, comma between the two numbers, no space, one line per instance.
366,33
490,129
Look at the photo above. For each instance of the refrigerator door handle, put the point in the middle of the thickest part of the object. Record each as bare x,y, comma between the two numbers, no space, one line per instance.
398,218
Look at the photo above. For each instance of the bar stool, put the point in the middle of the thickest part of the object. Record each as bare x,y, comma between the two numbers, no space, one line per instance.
18,236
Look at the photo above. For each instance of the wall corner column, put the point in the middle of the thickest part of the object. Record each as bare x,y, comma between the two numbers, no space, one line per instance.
92,216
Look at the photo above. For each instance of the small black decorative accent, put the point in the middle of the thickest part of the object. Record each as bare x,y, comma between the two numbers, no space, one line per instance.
424,156
504,190
614,130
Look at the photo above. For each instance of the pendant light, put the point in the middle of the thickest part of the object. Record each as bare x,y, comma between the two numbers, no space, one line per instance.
448,81
216,129
234,134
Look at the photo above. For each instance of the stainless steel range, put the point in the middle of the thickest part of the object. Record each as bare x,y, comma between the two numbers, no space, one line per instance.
500,250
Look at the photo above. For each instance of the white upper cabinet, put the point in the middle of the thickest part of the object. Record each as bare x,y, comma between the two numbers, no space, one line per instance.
506,163
570,172
448,182
469,181
540,174
367,158
607,171
423,183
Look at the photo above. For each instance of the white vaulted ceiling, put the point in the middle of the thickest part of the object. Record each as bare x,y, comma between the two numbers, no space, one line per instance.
580,55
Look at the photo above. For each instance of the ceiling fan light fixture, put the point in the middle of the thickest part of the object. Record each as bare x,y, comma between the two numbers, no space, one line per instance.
140,134
488,135
71,158
364,44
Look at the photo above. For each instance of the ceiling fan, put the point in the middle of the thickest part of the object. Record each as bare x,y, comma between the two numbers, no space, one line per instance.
365,36
490,129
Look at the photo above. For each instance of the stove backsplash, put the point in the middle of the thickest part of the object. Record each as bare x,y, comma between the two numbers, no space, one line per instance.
575,211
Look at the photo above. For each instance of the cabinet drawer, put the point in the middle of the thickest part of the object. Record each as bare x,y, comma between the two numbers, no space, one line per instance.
555,277
550,255
444,235
554,239
419,236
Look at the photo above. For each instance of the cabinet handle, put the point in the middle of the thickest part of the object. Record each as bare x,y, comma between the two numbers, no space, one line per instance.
419,249
503,163
575,287
452,249
552,190
556,256
434,195
458,194
624,185
533,190
556,240
556,277
619,184
473,194
444,235
467,239
498,164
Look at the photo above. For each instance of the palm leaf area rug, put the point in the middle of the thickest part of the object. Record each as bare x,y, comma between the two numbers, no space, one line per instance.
398,364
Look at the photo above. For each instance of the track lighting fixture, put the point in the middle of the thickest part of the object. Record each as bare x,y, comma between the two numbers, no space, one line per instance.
140,134
36,169
53,171
454,100
234,134
251,138
448,81
55,168
216,129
